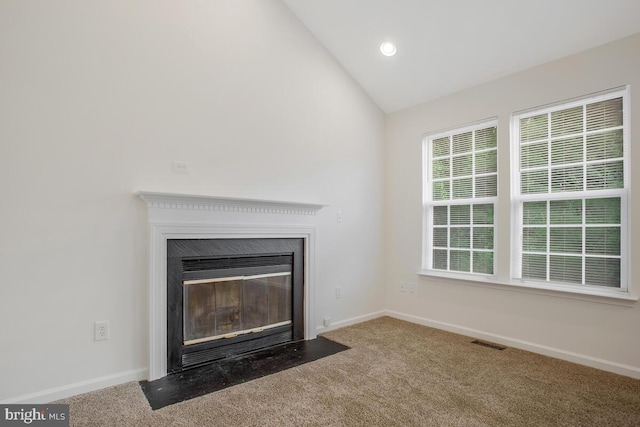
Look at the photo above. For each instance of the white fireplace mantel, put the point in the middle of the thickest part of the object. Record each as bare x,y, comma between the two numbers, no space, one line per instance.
226,204
187,216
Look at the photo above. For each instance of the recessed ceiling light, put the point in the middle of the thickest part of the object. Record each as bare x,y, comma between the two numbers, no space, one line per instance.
388,49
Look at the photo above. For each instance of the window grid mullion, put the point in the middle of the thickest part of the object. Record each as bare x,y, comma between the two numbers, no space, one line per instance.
548,254
471,270
548,156
449,235
584,152
548,204
584,237
473,170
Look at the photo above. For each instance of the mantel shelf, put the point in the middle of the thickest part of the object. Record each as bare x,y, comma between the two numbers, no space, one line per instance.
161,200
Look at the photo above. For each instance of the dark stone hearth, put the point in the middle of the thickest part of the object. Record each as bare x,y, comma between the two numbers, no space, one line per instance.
225,373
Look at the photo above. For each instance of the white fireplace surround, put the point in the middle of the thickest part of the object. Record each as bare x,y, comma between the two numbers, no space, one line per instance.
183,216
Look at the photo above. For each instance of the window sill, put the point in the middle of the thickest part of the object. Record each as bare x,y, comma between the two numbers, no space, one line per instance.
596,295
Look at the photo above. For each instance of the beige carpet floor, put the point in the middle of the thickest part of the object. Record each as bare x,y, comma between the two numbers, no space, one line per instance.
395,374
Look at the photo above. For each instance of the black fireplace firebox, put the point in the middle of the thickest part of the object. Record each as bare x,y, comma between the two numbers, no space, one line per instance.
227,297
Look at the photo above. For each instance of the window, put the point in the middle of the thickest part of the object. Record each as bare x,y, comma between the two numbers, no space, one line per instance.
569,194
569,200
460,189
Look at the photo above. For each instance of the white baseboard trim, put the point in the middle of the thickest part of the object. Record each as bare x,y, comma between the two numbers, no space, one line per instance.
69,390
594,362
351,321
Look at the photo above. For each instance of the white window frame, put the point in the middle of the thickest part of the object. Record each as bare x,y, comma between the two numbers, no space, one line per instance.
517,199
427,204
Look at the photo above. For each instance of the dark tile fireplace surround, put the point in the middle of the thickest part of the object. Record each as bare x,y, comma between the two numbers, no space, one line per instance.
227,297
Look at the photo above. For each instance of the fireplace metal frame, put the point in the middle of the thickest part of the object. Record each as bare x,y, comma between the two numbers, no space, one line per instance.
180,356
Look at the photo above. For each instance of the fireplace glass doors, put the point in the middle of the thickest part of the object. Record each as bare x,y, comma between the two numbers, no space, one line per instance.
227,297
231,306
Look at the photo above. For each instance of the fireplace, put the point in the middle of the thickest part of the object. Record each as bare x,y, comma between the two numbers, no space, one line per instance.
197,217
227,297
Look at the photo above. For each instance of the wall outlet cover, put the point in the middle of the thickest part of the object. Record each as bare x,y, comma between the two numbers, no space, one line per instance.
101,330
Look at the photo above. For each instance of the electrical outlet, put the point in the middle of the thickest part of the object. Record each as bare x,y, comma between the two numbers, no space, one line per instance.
338,292
327,321
101,330
411,287
339,217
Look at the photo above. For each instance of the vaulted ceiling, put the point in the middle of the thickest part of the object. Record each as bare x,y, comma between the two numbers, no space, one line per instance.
447,46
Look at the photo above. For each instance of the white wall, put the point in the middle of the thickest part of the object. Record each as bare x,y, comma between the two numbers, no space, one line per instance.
96,101
588,330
